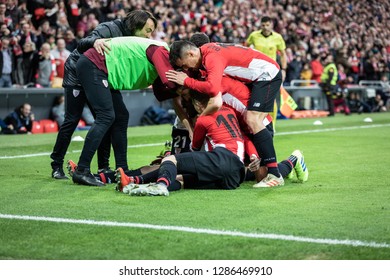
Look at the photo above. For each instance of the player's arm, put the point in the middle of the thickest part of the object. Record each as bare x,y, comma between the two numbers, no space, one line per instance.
97,39
182,115
200,131
159,57
214,104
212,85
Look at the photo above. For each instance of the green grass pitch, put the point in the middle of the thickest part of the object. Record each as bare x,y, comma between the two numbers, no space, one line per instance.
341,213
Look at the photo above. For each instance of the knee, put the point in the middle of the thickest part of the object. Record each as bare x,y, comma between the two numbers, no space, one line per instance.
171,158
122,117
252,119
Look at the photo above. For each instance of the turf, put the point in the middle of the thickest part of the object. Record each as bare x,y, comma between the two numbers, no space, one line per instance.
346,198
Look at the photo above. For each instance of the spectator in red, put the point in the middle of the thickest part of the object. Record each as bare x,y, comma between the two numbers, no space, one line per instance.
316,68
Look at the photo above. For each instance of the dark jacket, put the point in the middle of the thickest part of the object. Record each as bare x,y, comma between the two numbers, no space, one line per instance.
20,123
109,29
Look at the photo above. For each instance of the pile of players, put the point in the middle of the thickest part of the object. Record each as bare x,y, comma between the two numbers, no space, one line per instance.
222,95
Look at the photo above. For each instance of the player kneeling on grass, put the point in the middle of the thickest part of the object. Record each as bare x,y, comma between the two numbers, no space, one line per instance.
221,167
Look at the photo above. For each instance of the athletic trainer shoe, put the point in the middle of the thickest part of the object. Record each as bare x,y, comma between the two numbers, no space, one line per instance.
58,173
71,166
130,187
86,178
291,175
153,189
270,181
300,167
122,179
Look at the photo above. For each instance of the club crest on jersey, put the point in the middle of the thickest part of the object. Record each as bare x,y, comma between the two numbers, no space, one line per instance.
76,92
105,83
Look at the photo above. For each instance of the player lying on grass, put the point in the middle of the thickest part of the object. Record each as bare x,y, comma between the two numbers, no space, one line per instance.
222,167
202,170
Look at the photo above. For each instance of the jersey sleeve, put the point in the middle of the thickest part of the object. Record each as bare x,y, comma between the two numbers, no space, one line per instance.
199,135
160,60
215,66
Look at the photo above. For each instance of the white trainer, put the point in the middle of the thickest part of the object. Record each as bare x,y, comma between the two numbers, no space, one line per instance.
270,181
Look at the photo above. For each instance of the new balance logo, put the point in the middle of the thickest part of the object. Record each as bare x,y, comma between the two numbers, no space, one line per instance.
257,104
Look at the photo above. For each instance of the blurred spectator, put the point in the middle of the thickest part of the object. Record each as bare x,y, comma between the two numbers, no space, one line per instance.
28,36
60,54
354,63
46,67
26,68
378,104
306,73
4,18
14,12
294,69
357,104
19,121
349,30
70,40
316,67
44,32
6,63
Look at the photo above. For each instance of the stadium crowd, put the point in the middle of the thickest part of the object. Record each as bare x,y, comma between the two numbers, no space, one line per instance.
37,36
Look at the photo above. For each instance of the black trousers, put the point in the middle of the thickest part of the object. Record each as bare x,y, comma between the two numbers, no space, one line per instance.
75,101
110,112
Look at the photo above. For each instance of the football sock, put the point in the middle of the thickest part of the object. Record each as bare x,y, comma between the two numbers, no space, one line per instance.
136,172
175,186
285,167
293,159
146,178
167,173
265,147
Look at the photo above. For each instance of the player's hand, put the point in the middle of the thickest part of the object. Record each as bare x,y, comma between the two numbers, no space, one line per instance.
254,165
102,46
176,77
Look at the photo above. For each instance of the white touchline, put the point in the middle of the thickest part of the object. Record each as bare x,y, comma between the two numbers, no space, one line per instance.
327,241
277,134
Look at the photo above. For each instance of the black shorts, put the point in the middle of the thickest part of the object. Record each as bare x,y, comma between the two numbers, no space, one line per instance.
220,167
264,93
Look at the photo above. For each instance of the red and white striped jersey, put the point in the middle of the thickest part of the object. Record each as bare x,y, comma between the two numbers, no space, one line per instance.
238,62
236,95
220,129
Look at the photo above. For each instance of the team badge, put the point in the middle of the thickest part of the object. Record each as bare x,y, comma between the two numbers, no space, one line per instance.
76,92
105,83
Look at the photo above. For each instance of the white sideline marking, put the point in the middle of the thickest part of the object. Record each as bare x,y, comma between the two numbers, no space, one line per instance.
277,134
331,129
327,241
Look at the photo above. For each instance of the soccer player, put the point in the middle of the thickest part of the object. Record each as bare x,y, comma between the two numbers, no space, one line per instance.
240,63
131,63
221,167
